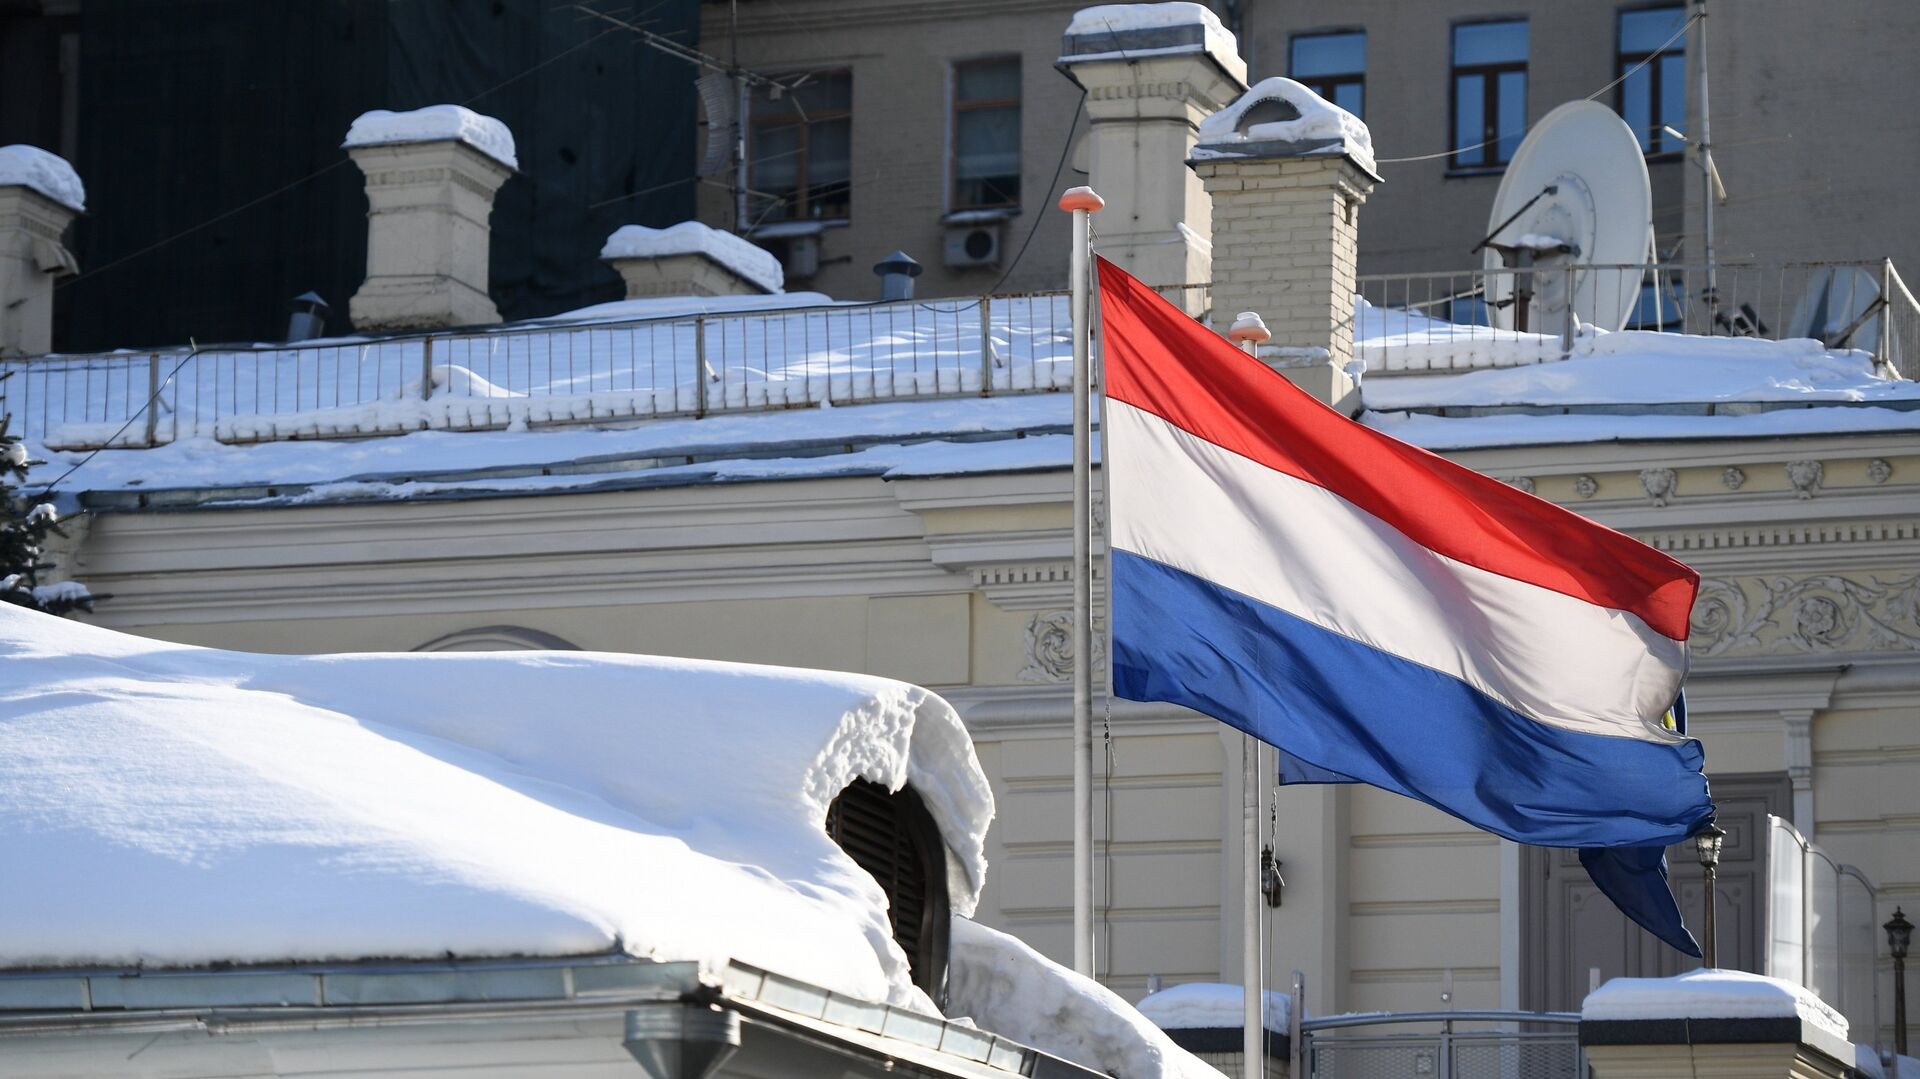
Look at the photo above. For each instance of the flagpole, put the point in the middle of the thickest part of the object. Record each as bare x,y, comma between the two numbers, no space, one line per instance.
1082,203
1248,332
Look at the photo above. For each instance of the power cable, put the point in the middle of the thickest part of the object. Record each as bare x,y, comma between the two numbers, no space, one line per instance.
1630,73
193,351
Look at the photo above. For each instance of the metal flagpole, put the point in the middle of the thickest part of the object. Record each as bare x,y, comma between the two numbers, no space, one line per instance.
1082,203
1704,148
1248,332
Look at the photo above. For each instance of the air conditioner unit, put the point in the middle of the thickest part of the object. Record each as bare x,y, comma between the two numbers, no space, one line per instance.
801,259
974,244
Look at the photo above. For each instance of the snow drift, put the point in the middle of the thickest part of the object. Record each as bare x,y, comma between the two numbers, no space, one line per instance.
175,806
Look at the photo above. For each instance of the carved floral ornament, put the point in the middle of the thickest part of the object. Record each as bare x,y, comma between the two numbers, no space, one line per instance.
1805,615
1050,647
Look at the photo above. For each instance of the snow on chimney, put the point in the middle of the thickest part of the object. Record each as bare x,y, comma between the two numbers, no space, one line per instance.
431,176
1287,172
690,259
39,195
1151,73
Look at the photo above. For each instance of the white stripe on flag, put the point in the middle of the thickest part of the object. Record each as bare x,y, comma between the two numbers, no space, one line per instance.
1188,503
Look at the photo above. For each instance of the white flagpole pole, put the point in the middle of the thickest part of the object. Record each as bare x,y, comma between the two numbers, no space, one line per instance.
1082,203
1248,332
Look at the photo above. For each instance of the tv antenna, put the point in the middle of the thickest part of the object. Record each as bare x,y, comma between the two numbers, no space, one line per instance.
723,89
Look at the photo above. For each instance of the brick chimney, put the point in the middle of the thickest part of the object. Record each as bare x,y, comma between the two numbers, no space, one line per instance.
39,196
690,259
1287,172
431,177
1151,73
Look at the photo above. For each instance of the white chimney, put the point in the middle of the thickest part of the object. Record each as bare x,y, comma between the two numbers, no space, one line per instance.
39,195
1152,72
690,259
431,176
1287,172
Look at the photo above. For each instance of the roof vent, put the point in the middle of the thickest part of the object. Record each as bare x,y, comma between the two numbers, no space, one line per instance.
896,273
309,317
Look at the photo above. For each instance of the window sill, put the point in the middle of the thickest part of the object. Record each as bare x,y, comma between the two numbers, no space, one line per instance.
780,230
987,215
1475,170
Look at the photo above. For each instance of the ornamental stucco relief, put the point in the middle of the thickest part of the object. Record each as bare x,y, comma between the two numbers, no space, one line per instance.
1050,647
1806,615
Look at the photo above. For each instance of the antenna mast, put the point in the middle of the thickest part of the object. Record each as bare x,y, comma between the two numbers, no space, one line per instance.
1704,145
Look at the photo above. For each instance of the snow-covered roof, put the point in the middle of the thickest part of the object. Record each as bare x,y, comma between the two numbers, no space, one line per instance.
748,262
435,123
49,174
1212,1005
163,805
1711,994
1121,31
1280,116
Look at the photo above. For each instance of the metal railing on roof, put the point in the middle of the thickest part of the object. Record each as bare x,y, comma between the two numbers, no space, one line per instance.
1449,320
551,373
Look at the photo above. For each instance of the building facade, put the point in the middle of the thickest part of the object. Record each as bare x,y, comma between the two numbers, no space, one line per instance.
1809,130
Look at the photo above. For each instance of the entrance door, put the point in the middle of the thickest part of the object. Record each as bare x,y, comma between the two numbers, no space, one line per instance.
1568,928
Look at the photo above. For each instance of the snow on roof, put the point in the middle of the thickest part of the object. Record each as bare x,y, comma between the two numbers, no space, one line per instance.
49,174
1711,994
1007,987
1279,110
164,805
435,123
1644,367
748,262
1116,30
740,445
1211,1005
1441,433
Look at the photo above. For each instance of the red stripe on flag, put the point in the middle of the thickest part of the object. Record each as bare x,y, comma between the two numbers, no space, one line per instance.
1160,360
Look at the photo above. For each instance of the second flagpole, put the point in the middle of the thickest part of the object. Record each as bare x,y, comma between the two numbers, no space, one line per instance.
1082,203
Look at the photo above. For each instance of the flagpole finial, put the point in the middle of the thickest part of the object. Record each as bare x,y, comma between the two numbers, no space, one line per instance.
1082,198
1249,327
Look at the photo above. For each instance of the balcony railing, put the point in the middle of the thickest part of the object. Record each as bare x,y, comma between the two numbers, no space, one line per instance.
1493,318
556,372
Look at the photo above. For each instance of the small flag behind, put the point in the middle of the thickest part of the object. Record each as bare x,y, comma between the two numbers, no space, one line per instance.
1378,612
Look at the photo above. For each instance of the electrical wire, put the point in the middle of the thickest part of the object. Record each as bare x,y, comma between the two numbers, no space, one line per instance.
311,176
193,351
1630,73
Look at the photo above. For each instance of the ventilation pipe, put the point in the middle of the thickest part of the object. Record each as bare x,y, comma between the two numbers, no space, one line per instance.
896,273
679,1040
309,317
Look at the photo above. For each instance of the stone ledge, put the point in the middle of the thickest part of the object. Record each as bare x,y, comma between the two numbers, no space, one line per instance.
1780,1030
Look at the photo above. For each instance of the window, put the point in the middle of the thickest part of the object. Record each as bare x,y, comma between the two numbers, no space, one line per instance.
798,149
893,836
986,134
1489,92
1333,66
1656,95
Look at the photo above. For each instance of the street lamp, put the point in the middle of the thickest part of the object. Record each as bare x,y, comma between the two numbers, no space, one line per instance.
1707,841
1899,936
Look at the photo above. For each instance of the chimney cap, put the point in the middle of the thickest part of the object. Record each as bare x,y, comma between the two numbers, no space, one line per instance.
898,262
312,301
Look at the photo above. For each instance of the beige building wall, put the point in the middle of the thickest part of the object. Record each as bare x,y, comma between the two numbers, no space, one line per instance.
901,54
1807,638
1812,123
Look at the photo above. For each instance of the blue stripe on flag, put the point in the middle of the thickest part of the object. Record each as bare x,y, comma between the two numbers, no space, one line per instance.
1339,705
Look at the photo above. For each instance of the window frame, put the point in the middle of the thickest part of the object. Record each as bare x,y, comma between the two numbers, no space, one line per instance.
803,156
1327,86
955,107
1489,77
1624,62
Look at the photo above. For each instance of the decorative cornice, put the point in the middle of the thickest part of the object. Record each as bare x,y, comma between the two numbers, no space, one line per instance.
1823,614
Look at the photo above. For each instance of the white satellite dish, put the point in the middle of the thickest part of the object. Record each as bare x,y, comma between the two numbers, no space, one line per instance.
1575,196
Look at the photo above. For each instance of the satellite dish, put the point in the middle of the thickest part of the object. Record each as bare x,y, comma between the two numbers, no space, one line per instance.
1575,195
1840,308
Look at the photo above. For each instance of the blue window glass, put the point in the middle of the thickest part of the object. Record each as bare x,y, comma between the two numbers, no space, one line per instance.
1654,96
1489,92
1333,65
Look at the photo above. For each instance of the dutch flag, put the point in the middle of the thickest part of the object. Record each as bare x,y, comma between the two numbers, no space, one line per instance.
1377,612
